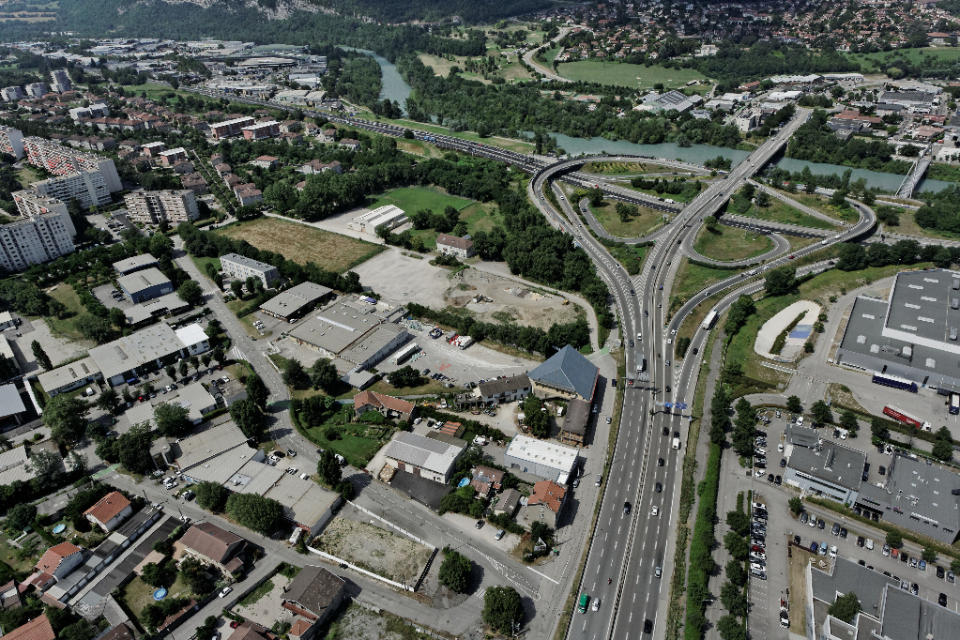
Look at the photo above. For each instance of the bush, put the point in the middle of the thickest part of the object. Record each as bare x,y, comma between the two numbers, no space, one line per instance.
455,571
701,561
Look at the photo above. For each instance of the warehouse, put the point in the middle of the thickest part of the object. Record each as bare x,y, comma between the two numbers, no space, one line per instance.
144,312
296,301
69,377
351,331
389,216
829,470
145,285
146,350
425,457
137,263
541,458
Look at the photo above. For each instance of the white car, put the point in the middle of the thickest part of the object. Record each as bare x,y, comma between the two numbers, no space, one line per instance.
225,591
596,605
655,512
833,551
869,544
759,473
780,447
639,336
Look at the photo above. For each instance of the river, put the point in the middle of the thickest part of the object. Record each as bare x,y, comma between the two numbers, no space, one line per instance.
394,88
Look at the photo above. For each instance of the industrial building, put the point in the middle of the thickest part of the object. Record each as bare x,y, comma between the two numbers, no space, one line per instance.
144,312
146,350
60,160
566,374
60,81
389,216
145,285
916,496
36,240
154,207
913,335
88,187
828,470
242,267
428,458
541,458
136,263
230,128
69,377
291,304
11,140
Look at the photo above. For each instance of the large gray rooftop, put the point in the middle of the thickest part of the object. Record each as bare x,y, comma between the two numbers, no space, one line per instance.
567,369
141,280
907,617
925,308
832,463
295,298
919,497
849,576
336,327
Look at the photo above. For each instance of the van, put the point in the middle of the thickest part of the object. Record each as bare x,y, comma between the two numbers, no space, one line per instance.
582,604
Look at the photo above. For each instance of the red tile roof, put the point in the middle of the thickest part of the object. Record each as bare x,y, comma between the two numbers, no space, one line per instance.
382,401
109,507
55,555
547,493
37,629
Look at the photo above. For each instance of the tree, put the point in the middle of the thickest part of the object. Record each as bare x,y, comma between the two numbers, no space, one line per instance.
41,356
67,418
118,317
205,359
733,598
257,391
191,293
211,496
294,375
219,355
405,376
780,281
207,629
736,545
538,421
455,571
730,628
255,512
324,375
793,404
236,287
929,554
133,449
195,363
845,607
249,418
894,539
848,420
171,371
821,412
502,608
108,400
47,468
943,447
154,575
762,199
21,515
183,367
736,573
172,419
878,428
161,246
739,522
328,468
796,505
955,565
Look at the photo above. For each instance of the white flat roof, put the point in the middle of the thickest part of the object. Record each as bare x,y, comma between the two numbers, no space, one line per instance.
67,374
10,401
191,334
552,454
210,442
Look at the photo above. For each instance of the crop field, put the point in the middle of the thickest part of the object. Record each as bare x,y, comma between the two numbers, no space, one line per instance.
870,61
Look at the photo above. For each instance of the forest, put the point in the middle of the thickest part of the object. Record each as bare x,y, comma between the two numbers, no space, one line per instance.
941,211
814,141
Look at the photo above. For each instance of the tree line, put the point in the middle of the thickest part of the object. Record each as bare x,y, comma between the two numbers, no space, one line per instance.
814,141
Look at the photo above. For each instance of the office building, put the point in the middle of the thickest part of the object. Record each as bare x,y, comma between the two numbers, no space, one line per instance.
36,90
88,187
145,285
31,204
12,94
11,141
262,130
541,458
149,349
60,81
827,470
154,207
69,377
230,128
38,239
242,267
60,160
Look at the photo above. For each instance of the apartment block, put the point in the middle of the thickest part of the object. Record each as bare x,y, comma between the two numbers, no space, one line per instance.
36,90
242,267
60,81
11,141
230,128
168,158
60,160
88,187
154,207
262,130
98,110
12,94
34,240
31,204
153,149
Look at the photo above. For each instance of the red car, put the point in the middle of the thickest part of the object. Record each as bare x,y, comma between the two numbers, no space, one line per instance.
234,624
791,256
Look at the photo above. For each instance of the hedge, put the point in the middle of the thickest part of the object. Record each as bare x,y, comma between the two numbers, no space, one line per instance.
701,545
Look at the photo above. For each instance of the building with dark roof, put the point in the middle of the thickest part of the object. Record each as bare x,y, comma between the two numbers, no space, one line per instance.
496,391
829,470
314,594
566,374
210,544
144,285
508,503
119,632
575,422
916,496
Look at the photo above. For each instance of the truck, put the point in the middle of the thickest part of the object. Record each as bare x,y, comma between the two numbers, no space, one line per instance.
895,382
676,443
902,416
954,404
405,352
464,341
709,320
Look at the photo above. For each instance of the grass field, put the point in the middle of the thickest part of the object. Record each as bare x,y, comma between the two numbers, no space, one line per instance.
627,75
731,244
635,227
869,61
779,211
412,199
203,262
137,594
27,176
303,244
908,226
691,278
419,148
822,204
67,326
357,442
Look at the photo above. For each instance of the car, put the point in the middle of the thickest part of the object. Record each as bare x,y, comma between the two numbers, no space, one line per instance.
950,577
913,562
631,343
234,624
189,495
499,534
771,478
666,431
940,572
833,551
822,524
479,524
659,462
813,521
804,517
576,483
657,572
648,626
836,529
869,544
225,591
640,335
915,588
885,550
596,605
783,463
658,488
813,547
626,507
779,481
291,453
599,480
696,350
903,557
426,372
882,470
792,256
942,600
655,511
923,565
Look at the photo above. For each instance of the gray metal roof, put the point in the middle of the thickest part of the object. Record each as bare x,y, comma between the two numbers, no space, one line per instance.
568,370
10,401
907,617
295,298
371,343
503,385
832,463
920,305
140,280
423,452
849,576
801,436
919,497
136,262
247,262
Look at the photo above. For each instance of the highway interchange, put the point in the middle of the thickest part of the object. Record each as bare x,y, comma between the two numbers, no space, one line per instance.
631,548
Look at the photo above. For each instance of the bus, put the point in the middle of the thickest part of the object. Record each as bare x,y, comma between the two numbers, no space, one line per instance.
582,605
895,382
954,404
709,320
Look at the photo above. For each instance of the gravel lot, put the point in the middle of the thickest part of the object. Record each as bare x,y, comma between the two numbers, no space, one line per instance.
374,549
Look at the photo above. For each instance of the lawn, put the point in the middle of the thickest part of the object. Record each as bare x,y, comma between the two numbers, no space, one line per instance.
412,199
908,226
635,227
418,147
27,176
202,263
731,244
236,306
257,593
67,326
8,552
627,75
137,594
691,278
822,204
914,56
683,197
302,244
617,168
779,211
357,442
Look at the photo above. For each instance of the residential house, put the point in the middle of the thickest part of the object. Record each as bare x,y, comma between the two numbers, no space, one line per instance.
314,594
545,504
388,406
508,503
489,475
37,629
453,246
110,511
212,545
575,422
265,162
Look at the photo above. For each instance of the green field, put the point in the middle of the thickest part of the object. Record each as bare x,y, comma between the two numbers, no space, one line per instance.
478,217
412,199
822,204
357,442
945,172
869,61
779,211
731,244
635,227
627,75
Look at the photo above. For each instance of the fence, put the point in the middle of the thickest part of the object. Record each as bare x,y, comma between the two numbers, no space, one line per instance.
344,563
390,524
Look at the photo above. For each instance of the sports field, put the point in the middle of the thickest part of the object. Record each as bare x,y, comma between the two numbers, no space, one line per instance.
627,75
412,199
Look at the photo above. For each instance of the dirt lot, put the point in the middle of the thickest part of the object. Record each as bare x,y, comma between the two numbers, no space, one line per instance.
401,279
374,549
358,623
266,608
301,243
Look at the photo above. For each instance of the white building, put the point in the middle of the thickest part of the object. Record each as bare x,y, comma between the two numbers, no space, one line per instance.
455,246
194,339
89,187
39,239
242,267
69,377
389,216
428,458
12,94
60,81
60,160
31,204
11,141
154,207
36,90
98,110
542,458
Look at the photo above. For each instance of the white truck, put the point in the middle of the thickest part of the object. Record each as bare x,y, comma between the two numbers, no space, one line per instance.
676,443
